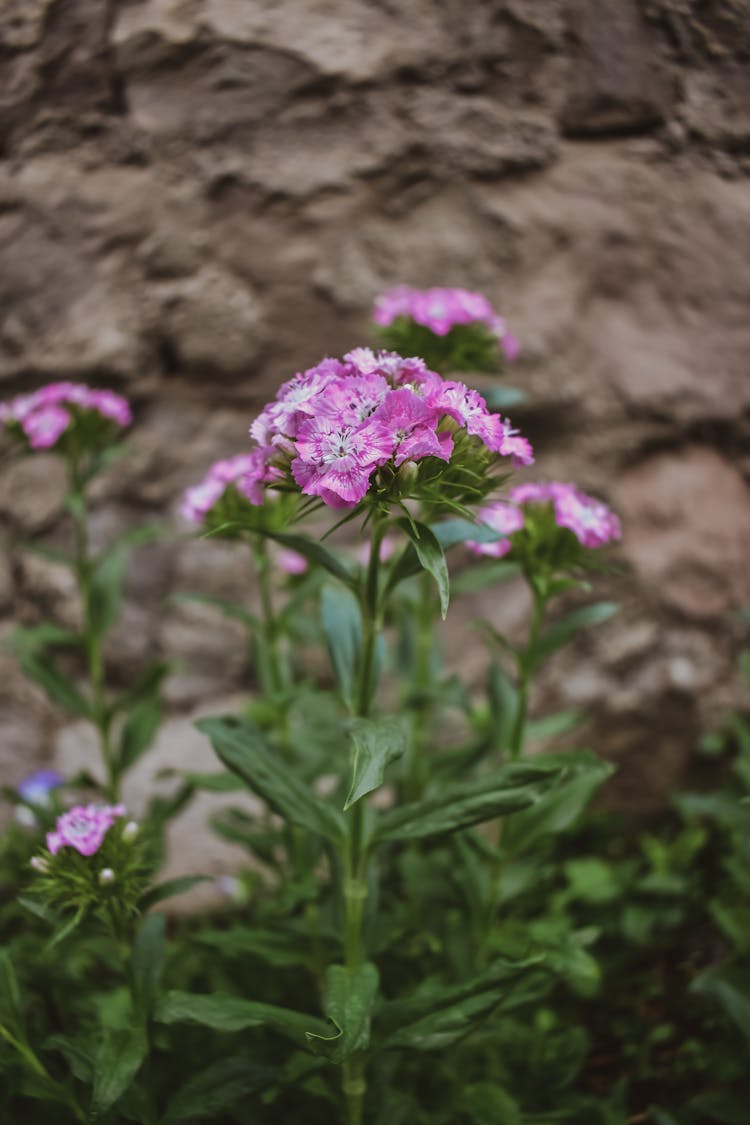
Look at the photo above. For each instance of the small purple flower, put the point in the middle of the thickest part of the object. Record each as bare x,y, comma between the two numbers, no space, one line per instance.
36,788
501,517
83,828
591,521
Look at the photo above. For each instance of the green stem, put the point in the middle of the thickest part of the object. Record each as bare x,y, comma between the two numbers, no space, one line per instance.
421,685
525,665
91,639
353,1081
271,671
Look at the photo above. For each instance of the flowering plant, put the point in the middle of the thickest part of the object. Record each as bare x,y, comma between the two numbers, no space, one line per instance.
407,942
453,329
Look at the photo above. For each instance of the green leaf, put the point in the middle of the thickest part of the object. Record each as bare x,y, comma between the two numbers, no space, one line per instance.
169,888
44,670
276,947
242,749
142,721
431,557
731,992
229,609
231,1013
436,1016
118,1059
349,998
220,1086
67,929
502,398
10,995
315,553
505,791
449,533
377,742
147,963
564,630
488,1104
580,775
342,625
503,699
107,580
35,638
482,575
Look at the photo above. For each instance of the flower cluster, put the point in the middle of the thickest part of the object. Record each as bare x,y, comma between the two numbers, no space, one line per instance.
334,425
441,310
83,828
591,521
44,415
247,473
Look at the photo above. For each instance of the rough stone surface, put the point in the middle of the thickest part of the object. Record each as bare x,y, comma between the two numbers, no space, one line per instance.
199,199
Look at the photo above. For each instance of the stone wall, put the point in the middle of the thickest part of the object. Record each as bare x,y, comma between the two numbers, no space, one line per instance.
199,197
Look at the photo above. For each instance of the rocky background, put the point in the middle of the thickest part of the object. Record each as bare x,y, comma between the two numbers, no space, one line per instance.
200,197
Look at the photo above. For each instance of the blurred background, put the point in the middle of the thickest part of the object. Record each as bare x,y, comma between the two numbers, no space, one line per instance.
198,199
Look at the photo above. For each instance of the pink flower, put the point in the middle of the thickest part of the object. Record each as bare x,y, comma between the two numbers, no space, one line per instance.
331,426
47,413
291,562
44,426
338,460
501,517
248,472
411,427
591,521
440,310
83,828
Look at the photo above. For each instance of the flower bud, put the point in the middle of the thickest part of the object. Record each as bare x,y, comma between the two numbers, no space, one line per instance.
130,831
106,876
39,863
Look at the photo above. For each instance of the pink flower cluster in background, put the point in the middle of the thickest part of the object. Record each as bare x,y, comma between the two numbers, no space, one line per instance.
246,471
440,310
591,521
44,415
83,828
336,423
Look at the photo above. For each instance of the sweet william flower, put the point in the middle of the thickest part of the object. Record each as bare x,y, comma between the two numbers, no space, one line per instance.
501,517
83,828
332,428
45,415
591,521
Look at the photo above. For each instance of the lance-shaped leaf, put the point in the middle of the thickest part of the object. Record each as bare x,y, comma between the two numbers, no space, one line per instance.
505,791
220,1086
143,720
423,553
564,630
437,1016
232,1013
107,581
581,774
350,996
242,749
449,533
147,963
169,888
376,743
342,624
118,1059
315,553
44,670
